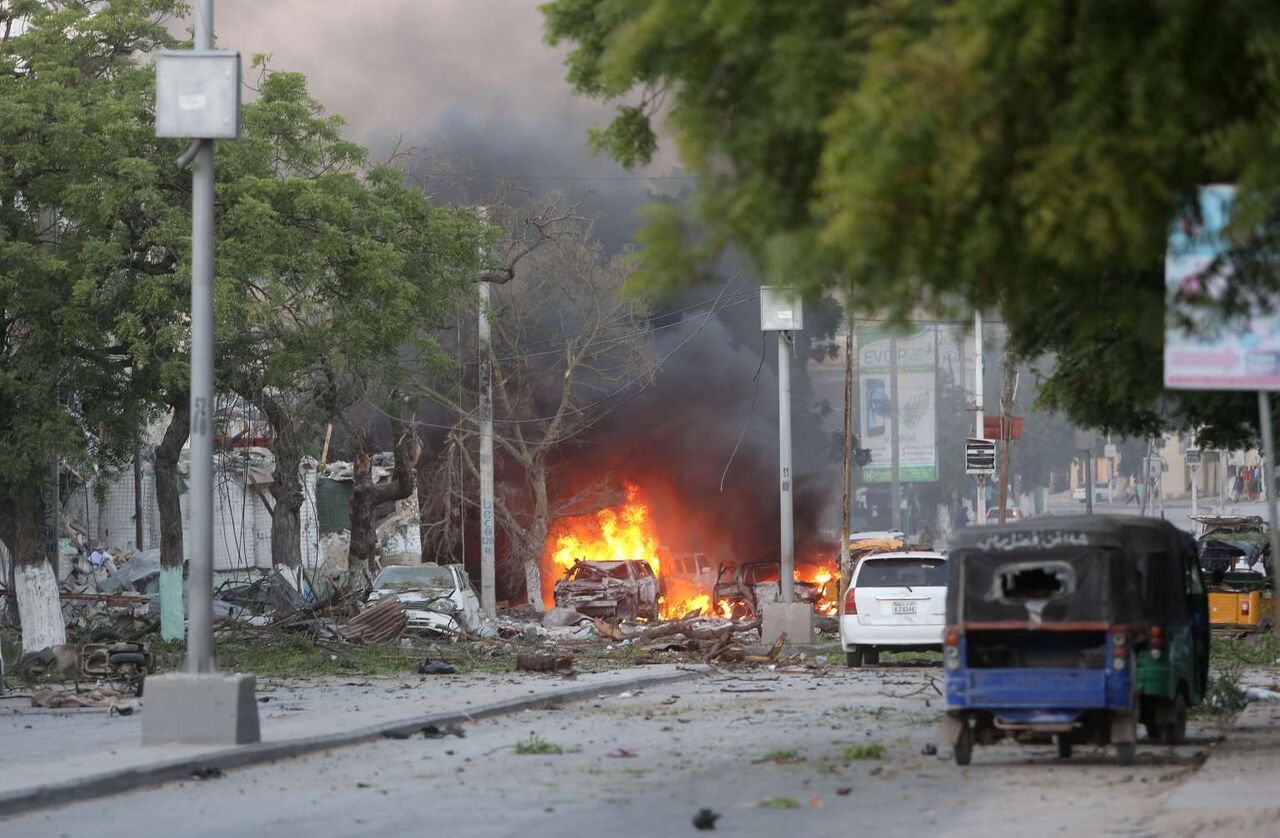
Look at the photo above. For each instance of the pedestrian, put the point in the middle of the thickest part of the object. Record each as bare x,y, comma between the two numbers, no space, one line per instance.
962,517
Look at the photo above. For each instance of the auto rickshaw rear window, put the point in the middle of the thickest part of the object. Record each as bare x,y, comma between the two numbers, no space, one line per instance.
1035,580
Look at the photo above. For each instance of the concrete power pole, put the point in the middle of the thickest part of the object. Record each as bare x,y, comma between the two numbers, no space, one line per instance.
787,569
1008,392
980,508
895,452
488,532
846,502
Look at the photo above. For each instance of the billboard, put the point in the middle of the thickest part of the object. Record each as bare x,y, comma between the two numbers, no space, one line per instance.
917,396
1203,351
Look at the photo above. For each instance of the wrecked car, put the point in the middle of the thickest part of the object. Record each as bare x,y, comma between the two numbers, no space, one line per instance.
622,589
747,587
437,599
1235,556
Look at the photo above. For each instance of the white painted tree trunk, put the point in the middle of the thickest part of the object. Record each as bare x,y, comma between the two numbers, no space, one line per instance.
533,583
39,607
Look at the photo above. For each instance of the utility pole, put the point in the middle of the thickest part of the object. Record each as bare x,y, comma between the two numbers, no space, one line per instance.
787,568
198,98
1008,392
846,501
200,572
488,533
781,311
980,508
1269,479
895,454
137,499
1088,480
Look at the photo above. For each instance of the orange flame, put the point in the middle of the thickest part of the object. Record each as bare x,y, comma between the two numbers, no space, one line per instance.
824,573
617,534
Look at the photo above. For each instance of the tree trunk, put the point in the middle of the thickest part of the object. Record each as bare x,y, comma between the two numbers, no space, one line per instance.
536,535
286,489
367,496
170,504
35,583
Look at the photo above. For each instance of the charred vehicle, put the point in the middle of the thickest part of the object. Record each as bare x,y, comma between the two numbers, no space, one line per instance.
437,599
622,589
747,587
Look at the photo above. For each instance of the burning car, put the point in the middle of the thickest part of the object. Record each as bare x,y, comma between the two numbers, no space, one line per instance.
623,589
741,590
436,598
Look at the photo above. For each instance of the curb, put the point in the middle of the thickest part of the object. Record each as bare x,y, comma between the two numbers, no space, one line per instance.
126,779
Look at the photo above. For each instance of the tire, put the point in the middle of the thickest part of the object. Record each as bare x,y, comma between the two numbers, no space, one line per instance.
1175,733
871,656
1155,732
1064,743
1126,753
129,657
963,750
853,658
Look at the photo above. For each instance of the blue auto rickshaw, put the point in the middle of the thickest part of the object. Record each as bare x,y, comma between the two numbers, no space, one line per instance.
1042,618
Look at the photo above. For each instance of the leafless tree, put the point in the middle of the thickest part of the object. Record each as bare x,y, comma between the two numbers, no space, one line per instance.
569,346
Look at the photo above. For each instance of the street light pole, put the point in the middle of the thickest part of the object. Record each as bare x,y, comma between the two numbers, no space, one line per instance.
198,98
200,572
787,568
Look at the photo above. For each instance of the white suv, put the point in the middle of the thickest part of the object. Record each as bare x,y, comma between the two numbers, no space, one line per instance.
895,601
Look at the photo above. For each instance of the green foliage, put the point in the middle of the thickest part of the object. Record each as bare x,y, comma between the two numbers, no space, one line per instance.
1257,649
779,803
782,756
1019,155
863,751
75,149
1225,694
535,745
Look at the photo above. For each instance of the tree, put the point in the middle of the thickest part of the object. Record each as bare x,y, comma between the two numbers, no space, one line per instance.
71,144
329,268
1024,155
568,346
367,495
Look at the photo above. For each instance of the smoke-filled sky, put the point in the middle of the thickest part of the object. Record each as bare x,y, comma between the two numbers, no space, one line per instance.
470,83
474,86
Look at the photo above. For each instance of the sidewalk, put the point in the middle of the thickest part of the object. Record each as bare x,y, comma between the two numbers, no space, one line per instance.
1235,792
54,755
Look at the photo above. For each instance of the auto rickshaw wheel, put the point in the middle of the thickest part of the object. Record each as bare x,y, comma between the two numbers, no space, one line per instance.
1126,753
1064,743
964,744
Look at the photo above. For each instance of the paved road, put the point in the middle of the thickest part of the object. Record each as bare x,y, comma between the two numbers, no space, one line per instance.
725,743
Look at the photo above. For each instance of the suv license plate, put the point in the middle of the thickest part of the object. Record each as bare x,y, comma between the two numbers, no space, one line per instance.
904,608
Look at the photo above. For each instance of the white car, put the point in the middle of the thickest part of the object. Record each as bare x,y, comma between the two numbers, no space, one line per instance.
895,602
437,599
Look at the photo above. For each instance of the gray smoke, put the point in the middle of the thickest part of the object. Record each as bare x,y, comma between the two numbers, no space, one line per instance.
473,87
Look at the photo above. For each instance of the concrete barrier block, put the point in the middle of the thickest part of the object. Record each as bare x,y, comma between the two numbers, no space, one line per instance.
204,709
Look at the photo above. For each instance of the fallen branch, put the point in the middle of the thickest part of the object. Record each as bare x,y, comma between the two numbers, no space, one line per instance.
694,628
